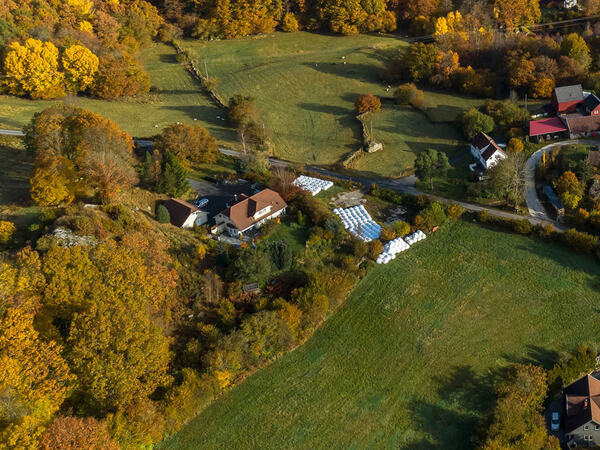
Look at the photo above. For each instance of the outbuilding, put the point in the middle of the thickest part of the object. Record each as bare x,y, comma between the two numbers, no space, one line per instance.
184,214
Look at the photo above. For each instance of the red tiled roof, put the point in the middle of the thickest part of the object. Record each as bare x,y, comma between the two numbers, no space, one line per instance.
546,126
242,213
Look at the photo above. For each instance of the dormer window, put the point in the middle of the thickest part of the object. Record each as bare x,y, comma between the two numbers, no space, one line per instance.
262,212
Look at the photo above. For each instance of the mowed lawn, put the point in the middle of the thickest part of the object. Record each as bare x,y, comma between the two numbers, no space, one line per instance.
408,361
305,86
175,97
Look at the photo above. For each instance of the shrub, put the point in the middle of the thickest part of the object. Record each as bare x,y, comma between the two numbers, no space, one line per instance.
367,103
409,94
522,226
162,214
454,211
388,233
582,216
483,216
515,145
402,228
375,249
474,121
582,361
581,241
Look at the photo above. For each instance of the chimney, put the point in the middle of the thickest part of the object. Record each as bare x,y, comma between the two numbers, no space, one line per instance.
586,403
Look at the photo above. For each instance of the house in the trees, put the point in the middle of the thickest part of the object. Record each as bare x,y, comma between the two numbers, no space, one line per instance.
566,99
184,214
250,213
582,412
485,150
592,105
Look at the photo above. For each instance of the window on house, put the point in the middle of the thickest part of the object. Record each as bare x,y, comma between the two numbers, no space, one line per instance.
586,427
597,427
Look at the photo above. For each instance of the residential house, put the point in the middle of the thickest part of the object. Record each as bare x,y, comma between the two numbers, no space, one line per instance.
184,214
582,412
566,99
485,150
546,129
592,105
250,213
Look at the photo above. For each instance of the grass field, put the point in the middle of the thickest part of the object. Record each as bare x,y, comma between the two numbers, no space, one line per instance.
176,97
408,361
305,85
405,132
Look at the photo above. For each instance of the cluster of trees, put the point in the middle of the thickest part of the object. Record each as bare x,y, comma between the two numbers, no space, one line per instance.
576,182
51,48
245,117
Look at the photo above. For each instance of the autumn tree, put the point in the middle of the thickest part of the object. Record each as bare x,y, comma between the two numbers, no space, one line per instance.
409,94
570,190
76,433
367,103
120,77
515,145
32,69
49,187
520,68
7,231
574,46
190,144
542,88
118,354
80,66
34,380
513,13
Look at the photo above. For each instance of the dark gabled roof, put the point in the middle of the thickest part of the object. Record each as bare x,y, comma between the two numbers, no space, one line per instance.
582,403
482,140
179,211
592,102
565,94
553,198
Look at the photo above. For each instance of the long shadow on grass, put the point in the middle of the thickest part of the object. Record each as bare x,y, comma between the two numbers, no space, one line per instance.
361,72
15,171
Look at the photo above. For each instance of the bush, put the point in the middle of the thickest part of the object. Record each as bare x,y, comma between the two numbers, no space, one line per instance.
375,249
473,121
522,226
515,145
483,216
367,103
388,233
454,211
402,228
162,214
409,94
581,241
582,361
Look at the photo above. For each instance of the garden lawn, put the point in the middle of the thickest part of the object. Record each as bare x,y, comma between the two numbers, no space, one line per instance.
305,86
408,360
175,97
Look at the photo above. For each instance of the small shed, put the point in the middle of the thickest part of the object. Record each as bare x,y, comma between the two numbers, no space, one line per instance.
251,288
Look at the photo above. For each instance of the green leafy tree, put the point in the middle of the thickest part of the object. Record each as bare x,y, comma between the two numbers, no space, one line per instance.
507,178
173,178
420,61
474,121
430,164
574,46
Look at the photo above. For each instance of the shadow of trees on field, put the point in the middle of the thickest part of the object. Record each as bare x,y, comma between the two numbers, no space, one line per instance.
325,109
15,169
170,58
360,72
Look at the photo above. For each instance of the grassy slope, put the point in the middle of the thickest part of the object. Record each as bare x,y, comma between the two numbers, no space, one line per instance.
306,93
408,360
177,98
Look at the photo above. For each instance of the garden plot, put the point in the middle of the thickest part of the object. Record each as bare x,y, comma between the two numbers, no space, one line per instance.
312,185
359,222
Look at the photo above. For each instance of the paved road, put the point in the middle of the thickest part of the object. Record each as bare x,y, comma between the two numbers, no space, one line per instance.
534,205
12,132
406,185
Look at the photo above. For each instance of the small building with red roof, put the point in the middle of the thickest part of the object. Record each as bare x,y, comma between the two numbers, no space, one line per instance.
546,129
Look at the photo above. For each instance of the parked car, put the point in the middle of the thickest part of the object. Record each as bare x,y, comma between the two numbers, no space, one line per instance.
200,202
555,421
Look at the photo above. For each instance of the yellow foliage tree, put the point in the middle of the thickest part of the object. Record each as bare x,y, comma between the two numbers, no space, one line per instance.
82,8
34,381
49,188
80,66
32,69
7,231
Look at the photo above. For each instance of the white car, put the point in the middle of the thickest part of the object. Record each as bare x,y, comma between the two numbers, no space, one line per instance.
555,422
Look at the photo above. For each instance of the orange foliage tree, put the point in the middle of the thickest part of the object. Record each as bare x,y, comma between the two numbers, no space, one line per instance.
76,433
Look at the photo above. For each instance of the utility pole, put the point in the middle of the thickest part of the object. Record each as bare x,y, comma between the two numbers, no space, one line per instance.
206,68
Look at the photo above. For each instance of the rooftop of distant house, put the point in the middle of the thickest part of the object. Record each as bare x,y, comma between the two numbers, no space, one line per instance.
179,211
582,402
546,126
567,94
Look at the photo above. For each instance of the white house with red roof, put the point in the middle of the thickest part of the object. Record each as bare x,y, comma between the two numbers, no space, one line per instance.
486,151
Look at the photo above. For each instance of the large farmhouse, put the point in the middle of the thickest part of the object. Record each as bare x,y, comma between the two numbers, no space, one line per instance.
582,412
486,151
250,213
577,115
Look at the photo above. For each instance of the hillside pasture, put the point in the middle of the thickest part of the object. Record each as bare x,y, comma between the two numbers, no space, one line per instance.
409,360
305,86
